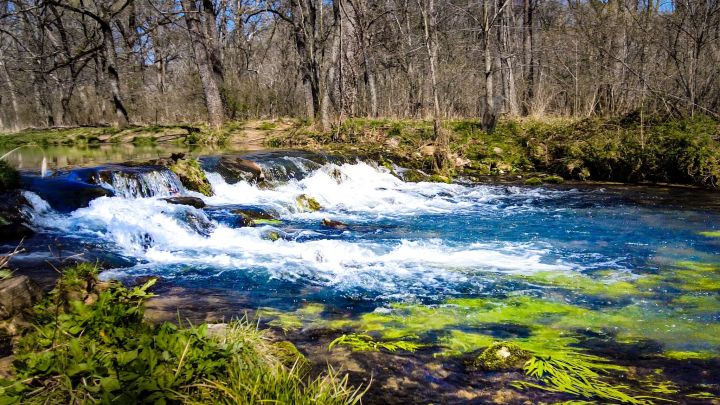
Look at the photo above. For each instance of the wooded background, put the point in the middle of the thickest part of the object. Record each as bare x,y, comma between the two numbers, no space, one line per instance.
89,62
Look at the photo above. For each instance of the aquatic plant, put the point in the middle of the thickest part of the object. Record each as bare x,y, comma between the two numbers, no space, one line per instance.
576,376
710,234
366,343
102,351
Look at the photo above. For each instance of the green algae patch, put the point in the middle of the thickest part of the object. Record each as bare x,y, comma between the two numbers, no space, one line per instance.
502,356
583,284
690,355
192,176
533,181
710,234
366,343
457,342
307,315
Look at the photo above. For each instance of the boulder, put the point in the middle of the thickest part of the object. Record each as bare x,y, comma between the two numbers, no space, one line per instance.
192,176
307,204
255,217
234,169
9,177
184,200
17,295
329,223
502,356
12,220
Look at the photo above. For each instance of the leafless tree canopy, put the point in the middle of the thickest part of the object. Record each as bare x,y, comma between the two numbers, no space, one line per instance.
88,62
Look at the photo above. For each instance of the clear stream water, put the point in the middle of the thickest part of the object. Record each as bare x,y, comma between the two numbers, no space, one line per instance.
406,246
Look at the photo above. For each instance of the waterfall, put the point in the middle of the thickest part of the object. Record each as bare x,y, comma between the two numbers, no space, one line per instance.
140,184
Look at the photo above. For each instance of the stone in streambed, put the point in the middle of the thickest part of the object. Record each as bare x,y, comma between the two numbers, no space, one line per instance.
307,204
329,223
192,176
234,169
254,218
12,221
184,200
502,356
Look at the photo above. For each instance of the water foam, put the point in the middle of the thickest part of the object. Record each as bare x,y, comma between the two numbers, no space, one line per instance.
163,235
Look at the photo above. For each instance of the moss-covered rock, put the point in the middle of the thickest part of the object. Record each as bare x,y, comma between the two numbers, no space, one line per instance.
290,356
414,176
553,180
192,176
533,181
272,236
307,204
9,177
501,356
254,218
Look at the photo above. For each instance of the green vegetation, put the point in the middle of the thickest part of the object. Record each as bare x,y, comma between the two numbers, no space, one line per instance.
577,376
91,345
192,176
681,151
9,177
365,343
502,356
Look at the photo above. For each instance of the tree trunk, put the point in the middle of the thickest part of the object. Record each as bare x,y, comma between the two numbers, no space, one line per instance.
528,48
213,100
13,97
442,147
110,60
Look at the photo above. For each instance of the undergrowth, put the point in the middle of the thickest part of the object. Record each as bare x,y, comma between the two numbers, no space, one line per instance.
91,345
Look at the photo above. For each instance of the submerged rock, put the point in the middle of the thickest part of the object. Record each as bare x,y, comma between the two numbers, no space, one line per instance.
191,201
307,204
329,223
192,176
501,356
12,220
235,169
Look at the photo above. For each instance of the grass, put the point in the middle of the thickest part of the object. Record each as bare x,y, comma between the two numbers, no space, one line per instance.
679,151
91,345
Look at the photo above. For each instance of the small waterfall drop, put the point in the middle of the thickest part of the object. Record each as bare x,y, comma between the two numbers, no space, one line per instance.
141,184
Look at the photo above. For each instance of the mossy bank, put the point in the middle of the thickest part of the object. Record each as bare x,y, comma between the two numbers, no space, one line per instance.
622,150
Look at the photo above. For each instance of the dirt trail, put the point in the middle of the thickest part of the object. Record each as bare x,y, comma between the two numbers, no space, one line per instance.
253,134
